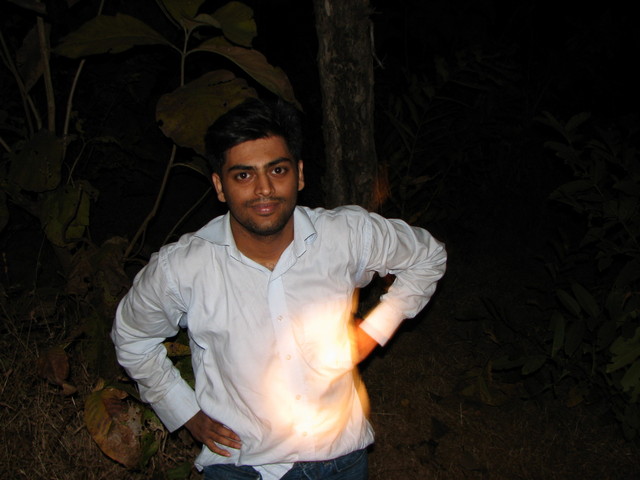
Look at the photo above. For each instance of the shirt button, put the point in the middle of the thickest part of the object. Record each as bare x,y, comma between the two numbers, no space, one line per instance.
298,397
288,357
280,318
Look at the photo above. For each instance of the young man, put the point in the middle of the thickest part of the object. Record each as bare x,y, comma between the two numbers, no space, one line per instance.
266,293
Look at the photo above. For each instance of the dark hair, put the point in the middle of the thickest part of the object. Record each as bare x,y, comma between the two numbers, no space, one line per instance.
251,120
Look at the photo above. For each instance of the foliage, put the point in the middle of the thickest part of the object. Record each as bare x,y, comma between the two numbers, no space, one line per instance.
591,351
436,130
185,114
37,177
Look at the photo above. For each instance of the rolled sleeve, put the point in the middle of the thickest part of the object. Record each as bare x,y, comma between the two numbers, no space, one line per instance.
382,322
418,262
177,406
145,318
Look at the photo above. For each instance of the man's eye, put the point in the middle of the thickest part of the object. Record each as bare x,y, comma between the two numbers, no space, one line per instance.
242,176
279,170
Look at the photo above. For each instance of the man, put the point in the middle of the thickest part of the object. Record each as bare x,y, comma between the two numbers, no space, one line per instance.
266,293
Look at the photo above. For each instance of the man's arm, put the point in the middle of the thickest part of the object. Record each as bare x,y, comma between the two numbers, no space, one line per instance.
146,316
364,344
416,259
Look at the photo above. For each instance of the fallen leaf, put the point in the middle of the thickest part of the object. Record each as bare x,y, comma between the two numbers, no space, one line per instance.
114,425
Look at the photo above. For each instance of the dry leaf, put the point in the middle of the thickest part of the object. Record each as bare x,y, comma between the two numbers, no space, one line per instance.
175,349
54,365
114,425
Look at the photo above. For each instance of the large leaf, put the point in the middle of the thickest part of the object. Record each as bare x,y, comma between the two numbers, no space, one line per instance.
64,213
559,326
255,64
631,381
237,23
36,167
29,58
569,302
108,34
4,211
53,364
586,300
182,10
114,425
533,364
186,113
624,351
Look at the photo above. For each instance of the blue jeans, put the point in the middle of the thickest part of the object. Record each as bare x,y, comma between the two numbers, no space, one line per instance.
352,466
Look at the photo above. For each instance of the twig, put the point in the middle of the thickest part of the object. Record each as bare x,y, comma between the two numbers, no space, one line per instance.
187,213
4,144
35,6
156,205
48,83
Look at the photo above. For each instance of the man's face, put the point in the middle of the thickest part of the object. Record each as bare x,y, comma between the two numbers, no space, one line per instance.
259,181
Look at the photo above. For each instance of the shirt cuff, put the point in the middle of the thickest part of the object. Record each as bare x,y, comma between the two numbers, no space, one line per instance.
382,322
177,406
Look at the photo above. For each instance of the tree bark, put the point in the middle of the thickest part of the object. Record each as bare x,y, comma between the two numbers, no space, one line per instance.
345,63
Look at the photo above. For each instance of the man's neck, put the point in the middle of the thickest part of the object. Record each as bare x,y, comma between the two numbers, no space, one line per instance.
263,249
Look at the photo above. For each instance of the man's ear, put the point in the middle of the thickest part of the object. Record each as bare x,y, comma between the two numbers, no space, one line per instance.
300,175
217,183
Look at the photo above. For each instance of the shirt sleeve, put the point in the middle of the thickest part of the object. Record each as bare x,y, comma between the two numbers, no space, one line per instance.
148,314
414,257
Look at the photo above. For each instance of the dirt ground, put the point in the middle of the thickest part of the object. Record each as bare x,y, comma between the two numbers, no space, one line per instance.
429,394
437,410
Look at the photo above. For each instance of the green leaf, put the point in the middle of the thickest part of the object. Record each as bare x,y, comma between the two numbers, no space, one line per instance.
562,150
202,19
577,120
629,274
569,302
236,20
628,186
574,187
182,10
29,58
255,64
631,381
185,114
179,472
551,121
558,324
36,167
186,370
65,214
574,336
149,446
586,300
533,364
4,210
109,34
606,334
506,363
627,208
624,351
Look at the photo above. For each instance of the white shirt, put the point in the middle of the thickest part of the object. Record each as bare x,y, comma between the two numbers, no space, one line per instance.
271,350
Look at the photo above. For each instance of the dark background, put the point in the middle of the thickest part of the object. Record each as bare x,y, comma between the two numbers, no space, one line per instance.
494,67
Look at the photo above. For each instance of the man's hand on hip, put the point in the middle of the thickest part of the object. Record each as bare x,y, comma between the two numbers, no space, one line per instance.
212,433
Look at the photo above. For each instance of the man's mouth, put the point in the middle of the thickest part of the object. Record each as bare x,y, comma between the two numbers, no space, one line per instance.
265,207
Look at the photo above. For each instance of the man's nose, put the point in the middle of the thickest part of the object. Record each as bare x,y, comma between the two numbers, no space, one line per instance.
264,185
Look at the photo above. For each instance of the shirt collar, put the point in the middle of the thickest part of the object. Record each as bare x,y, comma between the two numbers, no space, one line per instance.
218,232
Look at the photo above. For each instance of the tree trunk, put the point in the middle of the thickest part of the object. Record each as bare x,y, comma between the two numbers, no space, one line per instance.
345,63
